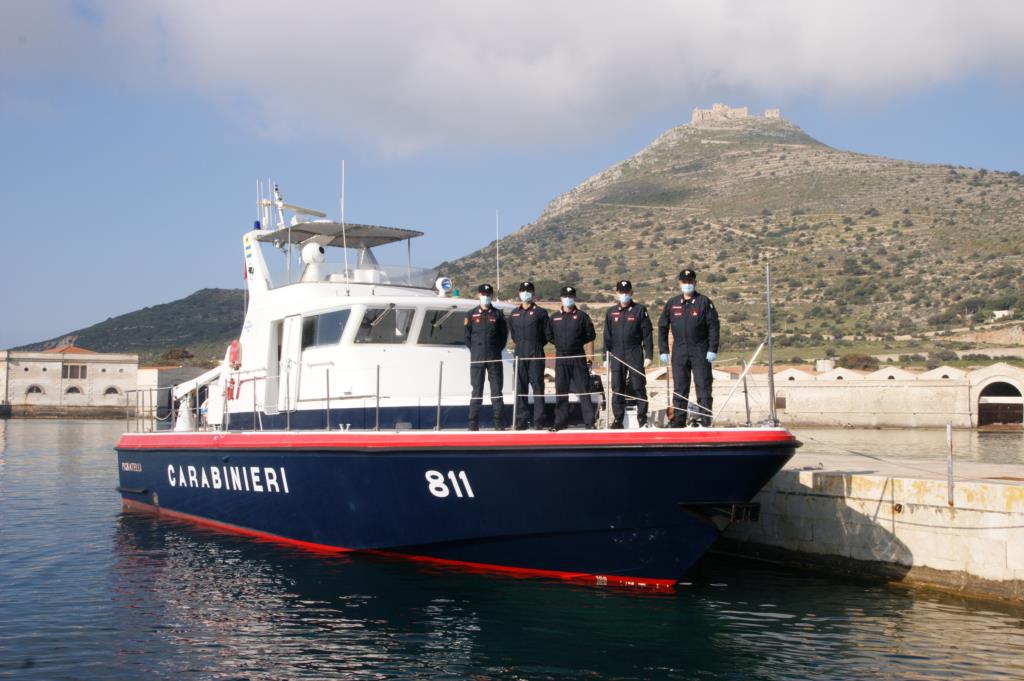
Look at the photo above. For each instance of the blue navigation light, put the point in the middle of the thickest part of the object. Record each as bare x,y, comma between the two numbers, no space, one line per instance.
256,224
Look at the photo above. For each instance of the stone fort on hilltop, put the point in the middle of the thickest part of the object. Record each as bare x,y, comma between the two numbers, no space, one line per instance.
723,112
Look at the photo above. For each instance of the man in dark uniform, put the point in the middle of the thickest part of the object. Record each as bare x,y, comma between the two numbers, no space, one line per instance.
573,334
628,337
694,323
530,326
486,335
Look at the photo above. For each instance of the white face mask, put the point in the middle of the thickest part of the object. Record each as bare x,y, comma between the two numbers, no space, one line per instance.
624,298
525,296
687,288
568,302
485,301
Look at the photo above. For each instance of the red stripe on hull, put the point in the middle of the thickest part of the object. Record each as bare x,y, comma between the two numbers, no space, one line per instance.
234,529
579,577
413,440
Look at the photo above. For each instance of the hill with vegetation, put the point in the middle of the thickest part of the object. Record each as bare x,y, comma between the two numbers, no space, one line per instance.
193,330
861,246
868,254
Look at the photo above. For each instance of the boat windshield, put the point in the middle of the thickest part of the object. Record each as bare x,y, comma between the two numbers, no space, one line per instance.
385,325
442,327
324,329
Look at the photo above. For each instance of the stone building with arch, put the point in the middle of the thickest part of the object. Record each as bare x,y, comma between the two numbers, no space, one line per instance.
990,397
67,381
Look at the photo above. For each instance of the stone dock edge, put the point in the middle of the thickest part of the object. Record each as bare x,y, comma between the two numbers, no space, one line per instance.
879,525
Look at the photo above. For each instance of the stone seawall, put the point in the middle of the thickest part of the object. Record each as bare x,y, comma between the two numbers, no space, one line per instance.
893,521
65,412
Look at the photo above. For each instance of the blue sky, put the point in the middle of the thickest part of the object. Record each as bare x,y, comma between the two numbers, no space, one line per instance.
132,134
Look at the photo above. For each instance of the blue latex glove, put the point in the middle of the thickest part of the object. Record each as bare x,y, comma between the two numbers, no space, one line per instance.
664,358
711,356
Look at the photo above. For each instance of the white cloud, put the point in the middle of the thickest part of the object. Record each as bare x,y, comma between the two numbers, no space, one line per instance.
404,76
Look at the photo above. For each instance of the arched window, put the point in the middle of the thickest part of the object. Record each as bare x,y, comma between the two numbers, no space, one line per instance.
73,390
111,391
892,378
34,390
945,375
1001,403
791,378
839,378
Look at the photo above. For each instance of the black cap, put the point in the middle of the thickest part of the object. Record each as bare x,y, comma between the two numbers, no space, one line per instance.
485,288
568,292
624,286
687,275
526,286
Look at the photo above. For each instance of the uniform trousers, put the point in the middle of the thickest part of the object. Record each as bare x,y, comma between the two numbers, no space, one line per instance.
572,376
530,374
621,373
495,375
683,364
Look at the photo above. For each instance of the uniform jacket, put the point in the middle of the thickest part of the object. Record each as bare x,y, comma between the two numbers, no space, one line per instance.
628,328
570,331
694,324
531,330
486,333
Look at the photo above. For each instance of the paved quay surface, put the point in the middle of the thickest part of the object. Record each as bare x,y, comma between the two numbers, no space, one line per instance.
894,466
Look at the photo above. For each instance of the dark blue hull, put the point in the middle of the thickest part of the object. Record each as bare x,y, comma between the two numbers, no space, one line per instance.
607,506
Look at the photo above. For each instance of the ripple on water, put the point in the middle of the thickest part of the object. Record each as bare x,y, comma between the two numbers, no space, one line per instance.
89,592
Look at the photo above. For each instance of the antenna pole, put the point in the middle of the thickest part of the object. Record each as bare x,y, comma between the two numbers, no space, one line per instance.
771,357
497,253
344,237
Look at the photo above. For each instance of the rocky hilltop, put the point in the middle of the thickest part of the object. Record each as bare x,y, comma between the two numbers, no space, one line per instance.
860,244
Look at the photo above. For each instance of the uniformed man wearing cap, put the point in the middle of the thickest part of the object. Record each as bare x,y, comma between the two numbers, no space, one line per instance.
694,323
573,335
530,327
628,339
486,335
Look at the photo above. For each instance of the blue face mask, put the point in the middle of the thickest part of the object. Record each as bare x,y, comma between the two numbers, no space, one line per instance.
568,302
525,296
485,301
624,298
687,288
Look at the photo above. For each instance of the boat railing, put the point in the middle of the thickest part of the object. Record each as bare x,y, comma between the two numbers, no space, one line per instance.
154,409
150,409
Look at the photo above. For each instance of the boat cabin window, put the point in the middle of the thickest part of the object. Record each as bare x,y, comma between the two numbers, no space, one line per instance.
324,329
385,325
442,327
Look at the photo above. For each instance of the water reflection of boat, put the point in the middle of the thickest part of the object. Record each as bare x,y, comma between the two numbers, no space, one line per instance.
330,425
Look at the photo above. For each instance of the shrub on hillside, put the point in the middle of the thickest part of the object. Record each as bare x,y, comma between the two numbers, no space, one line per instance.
858,361
176,355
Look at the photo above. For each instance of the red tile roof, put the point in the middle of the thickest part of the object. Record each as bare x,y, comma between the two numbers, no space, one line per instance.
72,349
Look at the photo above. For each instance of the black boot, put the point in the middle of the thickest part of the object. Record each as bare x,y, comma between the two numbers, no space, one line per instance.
473,426
616,425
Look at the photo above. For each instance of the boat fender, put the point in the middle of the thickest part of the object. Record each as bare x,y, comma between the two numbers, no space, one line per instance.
235,355
233,388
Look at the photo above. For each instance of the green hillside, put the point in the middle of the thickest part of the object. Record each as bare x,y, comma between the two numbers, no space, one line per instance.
203,324
868,253
859,244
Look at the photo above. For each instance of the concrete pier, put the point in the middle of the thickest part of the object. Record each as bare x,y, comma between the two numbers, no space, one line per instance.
892,520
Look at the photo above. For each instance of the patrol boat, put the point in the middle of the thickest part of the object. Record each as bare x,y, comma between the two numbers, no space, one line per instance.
336,422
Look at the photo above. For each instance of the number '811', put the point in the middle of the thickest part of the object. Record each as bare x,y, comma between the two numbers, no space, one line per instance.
441,488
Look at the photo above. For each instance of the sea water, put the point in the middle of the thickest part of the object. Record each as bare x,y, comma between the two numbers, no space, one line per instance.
88,591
